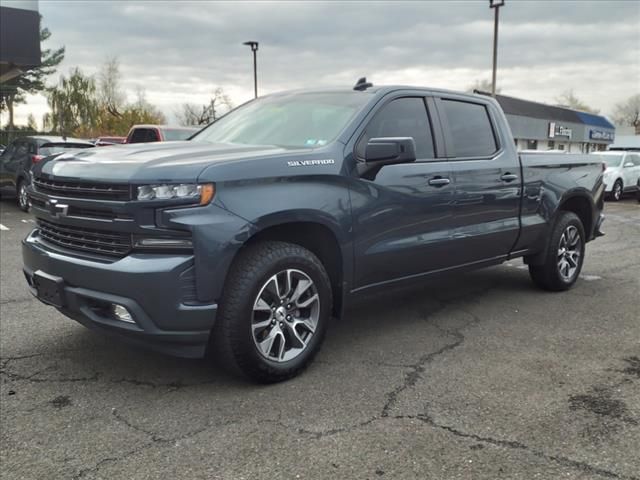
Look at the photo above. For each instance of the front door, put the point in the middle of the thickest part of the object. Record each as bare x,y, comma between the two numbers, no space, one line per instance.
403,213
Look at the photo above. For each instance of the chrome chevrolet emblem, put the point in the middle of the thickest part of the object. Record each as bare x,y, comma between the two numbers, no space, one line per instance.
57,209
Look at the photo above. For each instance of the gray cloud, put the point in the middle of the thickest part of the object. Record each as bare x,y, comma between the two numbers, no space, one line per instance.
180,51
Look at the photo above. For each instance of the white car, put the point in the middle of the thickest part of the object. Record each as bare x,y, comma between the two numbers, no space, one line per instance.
622,172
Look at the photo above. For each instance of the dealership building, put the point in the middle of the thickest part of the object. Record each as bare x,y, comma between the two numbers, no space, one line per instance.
19,38
537,126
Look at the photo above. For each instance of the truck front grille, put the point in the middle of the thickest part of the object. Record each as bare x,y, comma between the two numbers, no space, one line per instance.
98,191
85,240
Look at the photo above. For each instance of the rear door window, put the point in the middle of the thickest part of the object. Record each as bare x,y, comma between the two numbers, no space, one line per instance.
402,117
470,128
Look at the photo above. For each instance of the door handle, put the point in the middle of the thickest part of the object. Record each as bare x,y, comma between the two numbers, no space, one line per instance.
439,182
508,177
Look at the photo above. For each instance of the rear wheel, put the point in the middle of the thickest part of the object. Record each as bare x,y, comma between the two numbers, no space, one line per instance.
616,191
23,197
274,311
564,257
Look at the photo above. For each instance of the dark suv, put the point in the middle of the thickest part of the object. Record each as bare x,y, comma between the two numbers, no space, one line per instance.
18,158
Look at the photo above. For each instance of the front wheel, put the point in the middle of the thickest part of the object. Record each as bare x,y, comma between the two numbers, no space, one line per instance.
616,191
564,257
274,311
23,197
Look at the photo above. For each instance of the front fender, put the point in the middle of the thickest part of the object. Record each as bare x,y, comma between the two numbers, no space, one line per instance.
321,199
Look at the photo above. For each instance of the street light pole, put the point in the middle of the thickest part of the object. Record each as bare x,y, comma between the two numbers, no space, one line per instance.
495,4
254,49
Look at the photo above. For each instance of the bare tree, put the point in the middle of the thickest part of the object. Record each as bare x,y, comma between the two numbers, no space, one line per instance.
569,99
110,94
628,113
218,105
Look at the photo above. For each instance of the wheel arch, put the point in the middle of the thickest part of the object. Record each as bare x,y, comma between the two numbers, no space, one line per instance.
578,202
317,237
582,206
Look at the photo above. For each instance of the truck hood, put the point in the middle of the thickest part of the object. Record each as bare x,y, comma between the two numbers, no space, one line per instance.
153,162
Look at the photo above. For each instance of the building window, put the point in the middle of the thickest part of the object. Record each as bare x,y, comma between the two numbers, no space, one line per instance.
532,144
551,145
561,147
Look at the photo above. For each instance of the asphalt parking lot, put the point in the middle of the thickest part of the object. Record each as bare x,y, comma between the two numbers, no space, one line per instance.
475,377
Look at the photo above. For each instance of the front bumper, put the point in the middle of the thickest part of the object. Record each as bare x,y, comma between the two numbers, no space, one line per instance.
156,288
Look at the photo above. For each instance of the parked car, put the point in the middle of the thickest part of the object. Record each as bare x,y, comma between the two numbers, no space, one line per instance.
622,173
245,240
107,141
159,133
23,153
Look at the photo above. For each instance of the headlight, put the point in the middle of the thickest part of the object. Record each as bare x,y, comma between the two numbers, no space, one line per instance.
203,193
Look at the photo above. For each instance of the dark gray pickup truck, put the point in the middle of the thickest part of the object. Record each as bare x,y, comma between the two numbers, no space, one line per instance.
246,239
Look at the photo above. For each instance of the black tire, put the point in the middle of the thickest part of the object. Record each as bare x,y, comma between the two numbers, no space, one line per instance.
232,338
617,191
548,275
22,200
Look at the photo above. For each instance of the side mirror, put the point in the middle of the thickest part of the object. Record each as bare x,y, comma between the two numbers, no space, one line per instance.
389,151
629,164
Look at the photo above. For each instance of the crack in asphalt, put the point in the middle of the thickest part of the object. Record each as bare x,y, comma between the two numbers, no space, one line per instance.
16,300
154,438
515,445
411,378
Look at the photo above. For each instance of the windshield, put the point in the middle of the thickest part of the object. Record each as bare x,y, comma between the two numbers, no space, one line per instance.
171,134
294,120
612,160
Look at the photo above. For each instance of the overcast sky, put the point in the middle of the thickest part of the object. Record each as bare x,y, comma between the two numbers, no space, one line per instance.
181,51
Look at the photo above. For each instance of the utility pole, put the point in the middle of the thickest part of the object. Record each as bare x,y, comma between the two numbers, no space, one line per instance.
495,4
254,49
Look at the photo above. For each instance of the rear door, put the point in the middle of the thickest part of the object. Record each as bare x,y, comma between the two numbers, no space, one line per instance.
401,216
13,165
5,169
486,173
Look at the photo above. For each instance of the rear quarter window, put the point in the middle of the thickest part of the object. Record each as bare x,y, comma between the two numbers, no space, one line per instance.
470,129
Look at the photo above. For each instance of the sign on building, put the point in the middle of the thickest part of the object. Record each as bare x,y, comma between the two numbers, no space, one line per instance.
557,130
601,135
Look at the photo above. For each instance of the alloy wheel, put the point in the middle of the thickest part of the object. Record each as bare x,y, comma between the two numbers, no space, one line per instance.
569,253
285,315
617,191
23,198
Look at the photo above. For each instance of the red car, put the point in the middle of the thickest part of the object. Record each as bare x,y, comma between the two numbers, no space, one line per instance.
159,133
